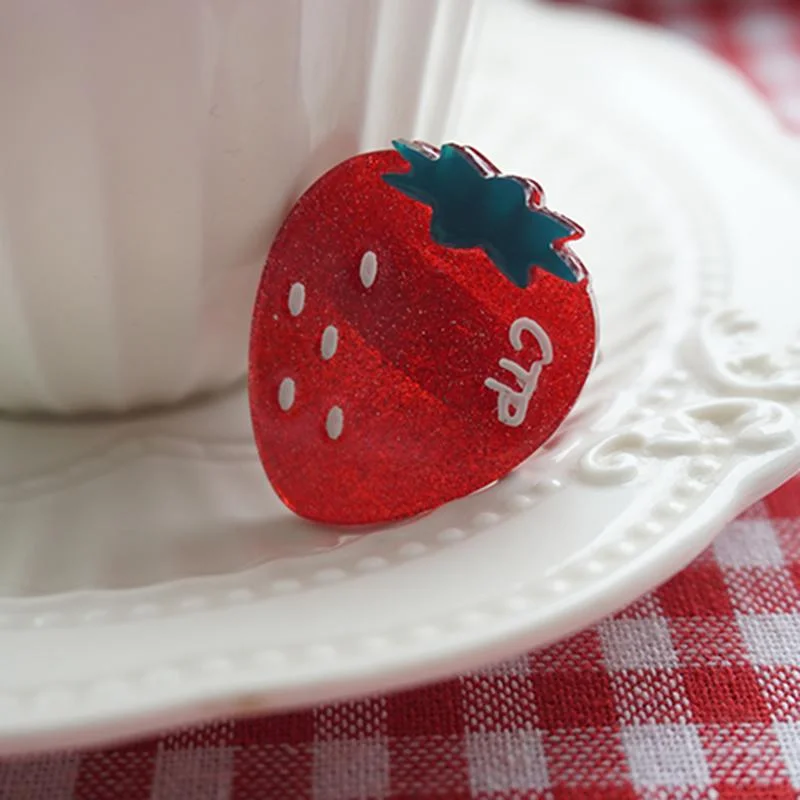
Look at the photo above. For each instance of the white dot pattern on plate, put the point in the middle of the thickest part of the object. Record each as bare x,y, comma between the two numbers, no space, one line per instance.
286,394
334,423
216,665
162,676
636,537
297,299
330,341
370,563
285,585
413,549
241,595
269,658
330,575
451,535
368,270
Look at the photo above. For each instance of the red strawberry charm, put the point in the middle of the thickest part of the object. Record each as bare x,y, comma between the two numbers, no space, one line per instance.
421,328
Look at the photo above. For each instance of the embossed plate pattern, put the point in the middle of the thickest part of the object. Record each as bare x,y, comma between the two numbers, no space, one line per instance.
149,578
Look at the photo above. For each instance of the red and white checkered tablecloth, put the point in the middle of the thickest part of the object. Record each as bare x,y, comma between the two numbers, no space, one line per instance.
692,692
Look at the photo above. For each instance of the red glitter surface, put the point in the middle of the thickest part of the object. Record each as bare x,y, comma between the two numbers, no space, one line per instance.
420,428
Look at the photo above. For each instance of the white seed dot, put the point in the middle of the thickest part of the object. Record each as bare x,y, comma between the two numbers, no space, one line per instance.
335,422
330,340
368,269
286,392
297,298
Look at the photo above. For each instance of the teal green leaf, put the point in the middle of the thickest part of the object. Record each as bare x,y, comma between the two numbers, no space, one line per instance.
493,212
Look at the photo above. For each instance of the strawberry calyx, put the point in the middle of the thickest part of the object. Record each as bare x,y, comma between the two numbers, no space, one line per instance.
474,205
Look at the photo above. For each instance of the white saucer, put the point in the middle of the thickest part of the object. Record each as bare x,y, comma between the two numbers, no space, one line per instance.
149,578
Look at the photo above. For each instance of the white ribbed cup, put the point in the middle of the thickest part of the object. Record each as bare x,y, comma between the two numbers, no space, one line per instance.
148,152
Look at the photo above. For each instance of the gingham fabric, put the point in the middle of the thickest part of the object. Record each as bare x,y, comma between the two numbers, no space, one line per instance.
692,692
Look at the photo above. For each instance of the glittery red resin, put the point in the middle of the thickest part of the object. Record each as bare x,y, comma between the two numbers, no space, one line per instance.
414,349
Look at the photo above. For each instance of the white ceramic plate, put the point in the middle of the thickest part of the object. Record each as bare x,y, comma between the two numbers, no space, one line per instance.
150,578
